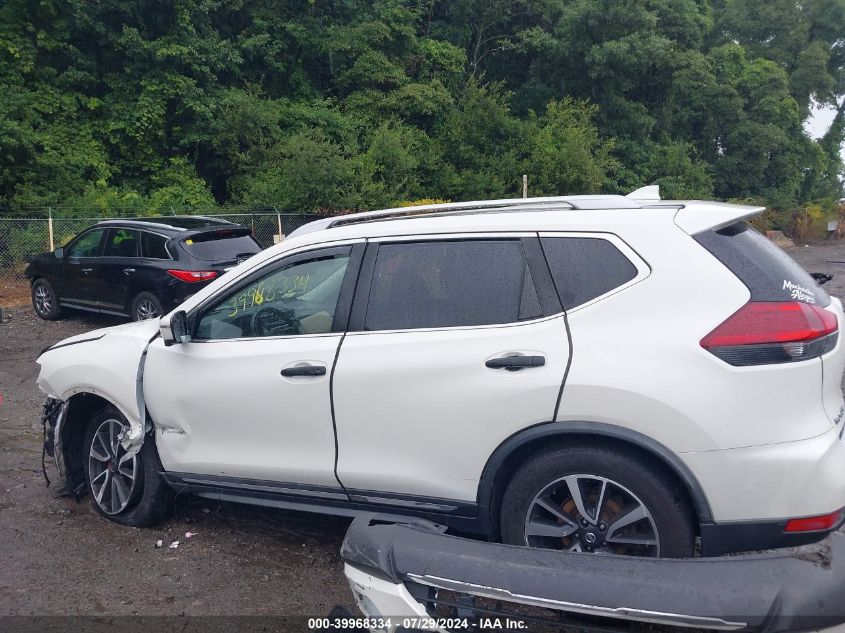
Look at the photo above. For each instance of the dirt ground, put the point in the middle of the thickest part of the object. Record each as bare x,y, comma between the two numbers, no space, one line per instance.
58,557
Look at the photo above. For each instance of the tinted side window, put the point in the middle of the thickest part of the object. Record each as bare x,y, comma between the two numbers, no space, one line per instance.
584,268
769,273
121,243
153,246
446,284
86,246
296,298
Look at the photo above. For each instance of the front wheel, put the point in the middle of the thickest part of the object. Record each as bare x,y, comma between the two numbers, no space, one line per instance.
44,300
125,487
593,499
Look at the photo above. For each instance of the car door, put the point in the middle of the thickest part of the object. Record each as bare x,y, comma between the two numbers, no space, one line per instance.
115,271
248,398
454,344
79,283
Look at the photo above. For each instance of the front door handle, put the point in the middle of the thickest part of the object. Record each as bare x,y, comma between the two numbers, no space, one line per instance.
304,370
128,271
87,270
515,363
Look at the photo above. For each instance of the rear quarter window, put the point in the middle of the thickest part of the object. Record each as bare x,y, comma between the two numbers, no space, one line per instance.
584,268
768,272
154,246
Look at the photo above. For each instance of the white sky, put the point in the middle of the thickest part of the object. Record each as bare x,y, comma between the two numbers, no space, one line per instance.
819,122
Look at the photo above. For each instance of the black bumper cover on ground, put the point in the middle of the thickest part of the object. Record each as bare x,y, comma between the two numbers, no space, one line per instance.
798,590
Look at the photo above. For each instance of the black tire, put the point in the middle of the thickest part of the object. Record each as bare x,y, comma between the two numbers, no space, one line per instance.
150,501
651,485
144,301
45,302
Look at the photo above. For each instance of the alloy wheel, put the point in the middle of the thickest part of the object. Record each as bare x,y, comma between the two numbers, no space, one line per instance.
590,513
43,299
146,309
112,471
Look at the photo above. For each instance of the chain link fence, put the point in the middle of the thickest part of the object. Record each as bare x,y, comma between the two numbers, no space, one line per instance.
21,239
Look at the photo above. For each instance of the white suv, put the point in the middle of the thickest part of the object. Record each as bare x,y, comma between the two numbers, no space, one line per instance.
590,373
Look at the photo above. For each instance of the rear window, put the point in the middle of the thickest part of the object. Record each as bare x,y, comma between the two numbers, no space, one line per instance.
222,245
768,272
584,268
450,284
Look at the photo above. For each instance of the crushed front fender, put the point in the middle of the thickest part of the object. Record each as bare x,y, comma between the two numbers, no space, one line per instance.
408,568
108,363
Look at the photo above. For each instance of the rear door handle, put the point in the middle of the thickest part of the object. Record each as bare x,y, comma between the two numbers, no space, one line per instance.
87,270
515,363
304,370
128,271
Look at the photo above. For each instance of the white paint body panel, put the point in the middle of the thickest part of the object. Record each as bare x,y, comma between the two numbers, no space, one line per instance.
379,598
223,408
418,412
107,366
773,481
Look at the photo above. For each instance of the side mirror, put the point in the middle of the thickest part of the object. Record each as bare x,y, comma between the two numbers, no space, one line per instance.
59,252
175,329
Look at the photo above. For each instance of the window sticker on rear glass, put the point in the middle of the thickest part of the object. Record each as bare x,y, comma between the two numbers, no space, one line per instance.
798,292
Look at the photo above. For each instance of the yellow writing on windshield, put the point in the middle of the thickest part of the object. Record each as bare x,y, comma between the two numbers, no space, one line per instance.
274,289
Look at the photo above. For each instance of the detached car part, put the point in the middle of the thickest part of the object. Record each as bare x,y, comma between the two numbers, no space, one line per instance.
414,571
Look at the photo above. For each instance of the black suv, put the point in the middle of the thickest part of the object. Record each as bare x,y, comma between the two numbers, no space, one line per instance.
136,268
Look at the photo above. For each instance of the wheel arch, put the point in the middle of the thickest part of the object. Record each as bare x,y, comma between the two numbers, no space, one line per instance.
81,406
511,453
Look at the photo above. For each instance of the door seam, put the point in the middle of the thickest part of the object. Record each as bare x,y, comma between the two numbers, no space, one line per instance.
334,366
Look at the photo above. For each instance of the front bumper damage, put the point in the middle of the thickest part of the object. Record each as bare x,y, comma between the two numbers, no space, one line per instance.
410,572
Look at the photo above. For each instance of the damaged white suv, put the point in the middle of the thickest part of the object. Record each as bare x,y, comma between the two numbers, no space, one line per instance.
588,373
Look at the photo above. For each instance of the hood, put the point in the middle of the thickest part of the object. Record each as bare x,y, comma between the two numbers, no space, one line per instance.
141,329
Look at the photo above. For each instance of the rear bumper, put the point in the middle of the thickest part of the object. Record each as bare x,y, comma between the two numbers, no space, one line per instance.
770,483
726,538
412,573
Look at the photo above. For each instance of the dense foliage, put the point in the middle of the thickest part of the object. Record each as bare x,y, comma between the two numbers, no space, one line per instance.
340,104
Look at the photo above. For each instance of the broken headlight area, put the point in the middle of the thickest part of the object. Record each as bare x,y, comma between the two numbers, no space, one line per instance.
413,569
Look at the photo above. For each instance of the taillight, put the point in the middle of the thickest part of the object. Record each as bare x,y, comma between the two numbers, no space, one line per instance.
761,333
192,276
814,524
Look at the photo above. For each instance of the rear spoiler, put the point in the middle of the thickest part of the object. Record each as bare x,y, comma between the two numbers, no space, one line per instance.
213,232
696,216
413,568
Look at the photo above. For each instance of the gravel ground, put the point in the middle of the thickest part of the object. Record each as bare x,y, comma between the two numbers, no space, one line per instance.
60,558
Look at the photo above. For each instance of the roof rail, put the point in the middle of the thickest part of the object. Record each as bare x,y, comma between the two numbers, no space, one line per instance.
508,204
110,221
176,222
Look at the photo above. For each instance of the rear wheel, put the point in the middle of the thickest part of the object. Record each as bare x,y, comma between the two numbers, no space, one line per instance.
146,306
593,499
44,300
125,487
